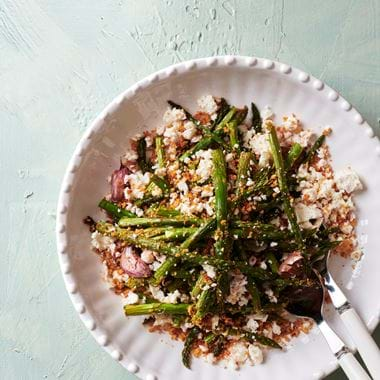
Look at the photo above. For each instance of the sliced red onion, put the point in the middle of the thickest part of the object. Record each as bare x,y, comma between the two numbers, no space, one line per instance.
117,184
133,265
292,265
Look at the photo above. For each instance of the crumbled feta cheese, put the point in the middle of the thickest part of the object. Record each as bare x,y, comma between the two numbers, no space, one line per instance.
172,115
238,355
259,317
260,146
252,325
210,270
214,322
137,184
276,329
190,130
205,165
266,113
172,133
238,290
130,155
207,104
182,186
347,180
122,277
263,265
132,298
102,242
255,354
149,141
271,296
308,216
159,295
147,256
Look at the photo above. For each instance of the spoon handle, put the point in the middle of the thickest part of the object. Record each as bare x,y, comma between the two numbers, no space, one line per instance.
365,344
348,362
352,368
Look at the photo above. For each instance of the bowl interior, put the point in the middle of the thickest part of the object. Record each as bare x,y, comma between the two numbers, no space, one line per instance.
141,108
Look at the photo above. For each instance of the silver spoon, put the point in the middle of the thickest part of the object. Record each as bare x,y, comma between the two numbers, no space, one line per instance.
309,302
365,344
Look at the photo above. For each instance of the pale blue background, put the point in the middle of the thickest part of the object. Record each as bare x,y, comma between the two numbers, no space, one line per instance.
61,62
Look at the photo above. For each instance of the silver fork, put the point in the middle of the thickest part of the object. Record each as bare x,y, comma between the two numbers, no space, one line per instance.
365,344
309,302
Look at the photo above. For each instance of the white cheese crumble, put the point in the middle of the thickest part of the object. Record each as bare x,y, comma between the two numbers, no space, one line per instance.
238,290
172,115
102,242
190,130
159,295
137,184
147,256
347,180
255,354
252,325
205,165
132,298
276,329
210,270
266,113
271,296
259,144
207,104
308,216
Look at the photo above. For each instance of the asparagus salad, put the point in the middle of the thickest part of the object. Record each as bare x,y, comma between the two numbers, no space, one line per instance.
214,219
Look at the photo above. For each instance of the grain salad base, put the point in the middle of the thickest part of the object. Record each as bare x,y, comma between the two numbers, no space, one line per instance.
323,199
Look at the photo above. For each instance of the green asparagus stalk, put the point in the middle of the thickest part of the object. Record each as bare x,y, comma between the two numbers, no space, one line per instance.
160,153
255,294
258,230
272,261
226,119
189,116
162,183
205,303
197,289
133,238
199,234
256,118
200,145
179,233
294,154
161,211
313,150
253,337
114,210
148,200
142,160
159,222
261,182
221,208
232,127
156,308
243,171
224,108
282,184
192,336
163,269
256,273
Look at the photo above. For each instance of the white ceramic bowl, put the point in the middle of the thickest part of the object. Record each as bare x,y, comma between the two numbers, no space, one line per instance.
241,80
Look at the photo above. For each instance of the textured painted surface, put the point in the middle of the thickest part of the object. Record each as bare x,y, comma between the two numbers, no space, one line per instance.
61,62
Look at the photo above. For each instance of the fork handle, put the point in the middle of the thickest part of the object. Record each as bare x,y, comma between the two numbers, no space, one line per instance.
365,344
352,368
